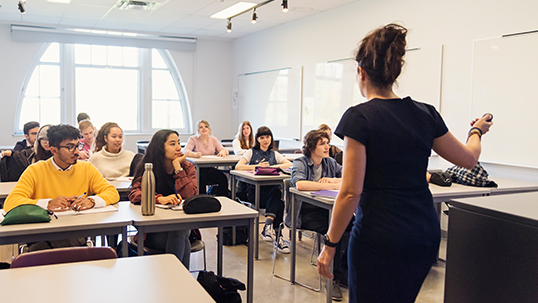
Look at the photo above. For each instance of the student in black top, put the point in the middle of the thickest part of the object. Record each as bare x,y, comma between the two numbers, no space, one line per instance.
387,143
30,130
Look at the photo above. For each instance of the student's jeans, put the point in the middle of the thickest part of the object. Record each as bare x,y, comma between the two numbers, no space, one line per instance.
271,200
175,242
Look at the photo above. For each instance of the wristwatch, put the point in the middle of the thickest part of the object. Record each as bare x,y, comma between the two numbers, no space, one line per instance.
327,242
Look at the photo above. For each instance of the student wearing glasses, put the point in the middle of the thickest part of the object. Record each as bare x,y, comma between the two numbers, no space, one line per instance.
110,158
61,182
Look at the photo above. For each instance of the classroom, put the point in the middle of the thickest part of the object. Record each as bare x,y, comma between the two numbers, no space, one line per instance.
212,72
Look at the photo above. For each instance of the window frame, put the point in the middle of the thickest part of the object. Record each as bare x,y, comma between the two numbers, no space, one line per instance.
67,89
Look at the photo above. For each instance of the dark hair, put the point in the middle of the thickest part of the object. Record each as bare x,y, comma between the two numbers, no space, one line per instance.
61,132
155,154
28,126
311,140
263,131
103,132
40,152
82,116
381,53
241,137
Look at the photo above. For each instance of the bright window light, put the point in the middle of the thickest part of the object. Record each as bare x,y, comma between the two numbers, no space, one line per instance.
232,10
59,1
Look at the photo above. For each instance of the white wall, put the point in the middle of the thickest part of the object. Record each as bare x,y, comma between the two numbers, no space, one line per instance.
334,35
205,73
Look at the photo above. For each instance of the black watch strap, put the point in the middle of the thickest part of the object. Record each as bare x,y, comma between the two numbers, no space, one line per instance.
327,242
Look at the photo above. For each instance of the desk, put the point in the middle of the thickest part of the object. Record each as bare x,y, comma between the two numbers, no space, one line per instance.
90,225
163,277
232,213
123,188
511,186
212,161
491,249
258,181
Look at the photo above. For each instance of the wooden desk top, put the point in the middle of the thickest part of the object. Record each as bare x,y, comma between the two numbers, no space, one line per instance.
215,160
7,187
230,210
248,174
157,278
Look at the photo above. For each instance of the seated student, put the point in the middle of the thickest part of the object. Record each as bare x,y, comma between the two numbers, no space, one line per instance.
109,157
244,140
15,162
82,117
30,132
314,171
172,175
87,142
333,150
57,183
271,196
206,145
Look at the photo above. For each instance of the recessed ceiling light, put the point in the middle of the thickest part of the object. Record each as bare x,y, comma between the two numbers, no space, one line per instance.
59,1
232,10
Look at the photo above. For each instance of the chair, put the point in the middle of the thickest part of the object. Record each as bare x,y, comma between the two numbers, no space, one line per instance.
63,255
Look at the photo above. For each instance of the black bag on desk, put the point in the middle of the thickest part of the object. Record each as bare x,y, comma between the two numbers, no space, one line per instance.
221,289
200,204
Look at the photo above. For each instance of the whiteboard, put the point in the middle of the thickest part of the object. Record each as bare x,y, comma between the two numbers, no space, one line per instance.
272,99
504,79
337,89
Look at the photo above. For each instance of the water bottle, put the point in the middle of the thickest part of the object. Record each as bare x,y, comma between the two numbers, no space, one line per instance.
148,191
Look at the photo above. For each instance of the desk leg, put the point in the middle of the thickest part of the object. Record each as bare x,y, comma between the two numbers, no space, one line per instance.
250,262
257,220
234,239
293,238
219,250
124,248
140,241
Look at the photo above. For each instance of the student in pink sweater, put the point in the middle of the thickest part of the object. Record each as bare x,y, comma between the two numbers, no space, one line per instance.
206,145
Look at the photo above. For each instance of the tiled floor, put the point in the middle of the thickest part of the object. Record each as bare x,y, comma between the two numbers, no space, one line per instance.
270,289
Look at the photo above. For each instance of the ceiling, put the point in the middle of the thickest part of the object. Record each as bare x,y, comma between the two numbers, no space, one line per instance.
177,17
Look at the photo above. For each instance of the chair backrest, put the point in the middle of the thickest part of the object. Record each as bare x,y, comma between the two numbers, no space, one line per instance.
63,255
339,158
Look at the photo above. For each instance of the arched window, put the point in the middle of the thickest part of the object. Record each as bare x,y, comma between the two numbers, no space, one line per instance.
140,89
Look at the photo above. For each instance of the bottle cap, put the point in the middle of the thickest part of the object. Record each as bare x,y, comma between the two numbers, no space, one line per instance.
148,165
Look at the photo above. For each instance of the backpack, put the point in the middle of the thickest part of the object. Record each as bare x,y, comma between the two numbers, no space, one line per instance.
11,168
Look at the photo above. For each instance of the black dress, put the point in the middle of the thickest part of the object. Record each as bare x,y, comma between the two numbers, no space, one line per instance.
395,242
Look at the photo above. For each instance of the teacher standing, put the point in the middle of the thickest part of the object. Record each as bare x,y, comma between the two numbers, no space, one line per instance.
387,143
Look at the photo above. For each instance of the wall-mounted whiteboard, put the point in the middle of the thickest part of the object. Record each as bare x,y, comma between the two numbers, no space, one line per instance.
337,89
273,99
504,82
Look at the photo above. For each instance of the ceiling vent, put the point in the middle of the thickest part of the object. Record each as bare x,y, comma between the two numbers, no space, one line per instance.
137,5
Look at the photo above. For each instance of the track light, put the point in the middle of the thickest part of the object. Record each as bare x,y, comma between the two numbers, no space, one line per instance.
21,6
229,26
284,5
254,16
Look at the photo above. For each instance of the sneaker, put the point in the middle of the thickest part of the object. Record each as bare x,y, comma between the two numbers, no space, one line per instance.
336,292
267,233
283,246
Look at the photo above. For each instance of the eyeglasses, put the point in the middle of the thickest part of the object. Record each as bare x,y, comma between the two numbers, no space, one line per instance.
70,148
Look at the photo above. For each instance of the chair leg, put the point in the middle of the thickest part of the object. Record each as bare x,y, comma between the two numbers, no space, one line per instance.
205,268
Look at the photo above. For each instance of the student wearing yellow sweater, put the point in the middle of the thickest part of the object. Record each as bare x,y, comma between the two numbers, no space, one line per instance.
57,183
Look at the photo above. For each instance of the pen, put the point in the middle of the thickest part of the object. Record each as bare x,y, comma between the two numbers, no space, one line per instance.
175,192
77,199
